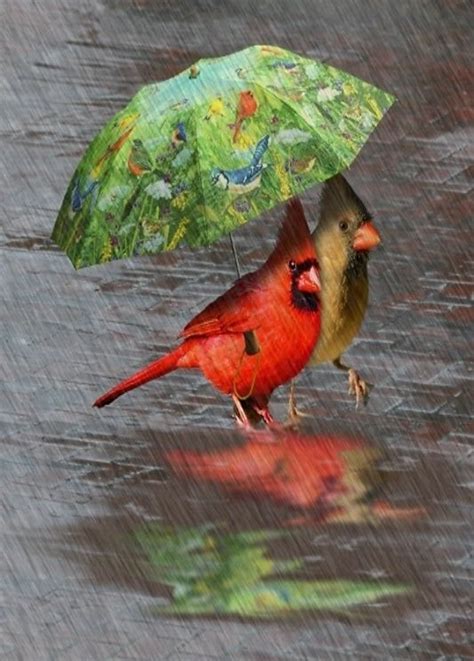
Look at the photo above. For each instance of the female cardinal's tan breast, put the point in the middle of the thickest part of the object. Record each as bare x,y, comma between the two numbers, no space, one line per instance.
344,298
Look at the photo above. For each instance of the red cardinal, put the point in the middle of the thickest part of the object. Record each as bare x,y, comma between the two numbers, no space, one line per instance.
279,302
246,107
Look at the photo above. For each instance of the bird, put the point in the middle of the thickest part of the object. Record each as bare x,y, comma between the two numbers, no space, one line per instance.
243,180
127,125
279,302
179,135
300,165
344,236
246,107
286,65
80,193
216,108
139,160
82,189
194,71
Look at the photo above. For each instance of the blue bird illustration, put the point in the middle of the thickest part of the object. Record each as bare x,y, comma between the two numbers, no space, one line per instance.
243,180
78,196
179,135
286,65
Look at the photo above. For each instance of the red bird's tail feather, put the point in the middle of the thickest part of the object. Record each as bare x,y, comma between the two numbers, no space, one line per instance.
154,370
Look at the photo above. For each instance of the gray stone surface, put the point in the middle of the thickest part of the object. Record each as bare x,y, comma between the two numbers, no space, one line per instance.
74,481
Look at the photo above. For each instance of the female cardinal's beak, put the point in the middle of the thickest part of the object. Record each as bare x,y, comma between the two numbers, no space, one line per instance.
309,281
366,237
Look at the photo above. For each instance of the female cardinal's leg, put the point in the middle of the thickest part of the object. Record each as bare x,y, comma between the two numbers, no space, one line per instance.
357,386
294,414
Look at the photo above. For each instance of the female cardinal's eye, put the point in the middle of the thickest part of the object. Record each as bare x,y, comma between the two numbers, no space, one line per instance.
344,225
292,265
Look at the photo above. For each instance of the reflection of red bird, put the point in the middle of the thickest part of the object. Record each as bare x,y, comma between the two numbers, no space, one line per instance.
279,302
246,107
339,479
297,470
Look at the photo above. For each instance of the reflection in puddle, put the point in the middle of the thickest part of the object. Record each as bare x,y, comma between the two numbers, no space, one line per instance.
212,570
336,479
233,574
208,522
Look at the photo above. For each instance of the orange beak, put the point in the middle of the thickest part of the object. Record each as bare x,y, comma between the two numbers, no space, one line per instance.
309,281
366,238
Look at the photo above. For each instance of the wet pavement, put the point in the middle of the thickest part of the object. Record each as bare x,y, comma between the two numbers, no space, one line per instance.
87,496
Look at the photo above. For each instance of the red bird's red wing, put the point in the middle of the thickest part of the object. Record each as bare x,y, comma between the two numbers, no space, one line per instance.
233,312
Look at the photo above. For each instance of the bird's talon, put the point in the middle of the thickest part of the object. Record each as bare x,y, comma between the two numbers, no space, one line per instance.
358,388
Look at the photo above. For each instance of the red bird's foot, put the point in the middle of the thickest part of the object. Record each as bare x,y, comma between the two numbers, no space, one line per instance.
358,387
266,416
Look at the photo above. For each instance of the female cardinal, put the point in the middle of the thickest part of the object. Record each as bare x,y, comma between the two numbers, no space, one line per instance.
343,238
278,302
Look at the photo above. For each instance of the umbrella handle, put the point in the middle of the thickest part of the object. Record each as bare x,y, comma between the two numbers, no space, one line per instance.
252,345
236,258
237,372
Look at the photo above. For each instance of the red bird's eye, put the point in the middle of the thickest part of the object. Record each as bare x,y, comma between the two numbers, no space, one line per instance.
292,265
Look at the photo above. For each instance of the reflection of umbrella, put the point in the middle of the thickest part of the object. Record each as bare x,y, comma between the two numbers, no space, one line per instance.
213,573
202,153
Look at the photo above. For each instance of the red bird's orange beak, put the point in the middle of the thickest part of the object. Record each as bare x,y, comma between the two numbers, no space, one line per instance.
309,281
366,238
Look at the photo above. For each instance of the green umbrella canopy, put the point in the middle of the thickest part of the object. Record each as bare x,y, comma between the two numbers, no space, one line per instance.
195,156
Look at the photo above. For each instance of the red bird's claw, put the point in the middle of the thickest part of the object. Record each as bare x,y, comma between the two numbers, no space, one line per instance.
358,387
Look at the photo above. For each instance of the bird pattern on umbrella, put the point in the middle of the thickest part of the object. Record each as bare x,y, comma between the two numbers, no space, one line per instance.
204,152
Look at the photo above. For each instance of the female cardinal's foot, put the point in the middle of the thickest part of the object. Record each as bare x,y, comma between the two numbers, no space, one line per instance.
294,413
357,387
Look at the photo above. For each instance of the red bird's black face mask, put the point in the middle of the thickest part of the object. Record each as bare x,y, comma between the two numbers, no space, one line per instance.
305,284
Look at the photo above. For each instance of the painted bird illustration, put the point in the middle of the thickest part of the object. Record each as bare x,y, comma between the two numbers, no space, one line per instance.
216,108
179,135
279,302
127,125
246,107
344,236
79,193
243,180
139,160
82,189
300,165
194,71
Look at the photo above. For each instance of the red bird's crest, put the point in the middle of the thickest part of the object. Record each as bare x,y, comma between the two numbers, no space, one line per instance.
294,238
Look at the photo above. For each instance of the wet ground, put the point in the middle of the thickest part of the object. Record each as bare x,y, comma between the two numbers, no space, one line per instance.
80,488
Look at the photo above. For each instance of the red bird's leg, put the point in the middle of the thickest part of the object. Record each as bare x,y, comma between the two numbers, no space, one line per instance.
240,415
357,386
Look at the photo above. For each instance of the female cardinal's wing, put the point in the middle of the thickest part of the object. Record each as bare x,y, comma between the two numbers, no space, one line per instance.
236,311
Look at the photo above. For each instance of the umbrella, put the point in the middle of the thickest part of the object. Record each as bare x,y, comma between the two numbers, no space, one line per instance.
198,155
